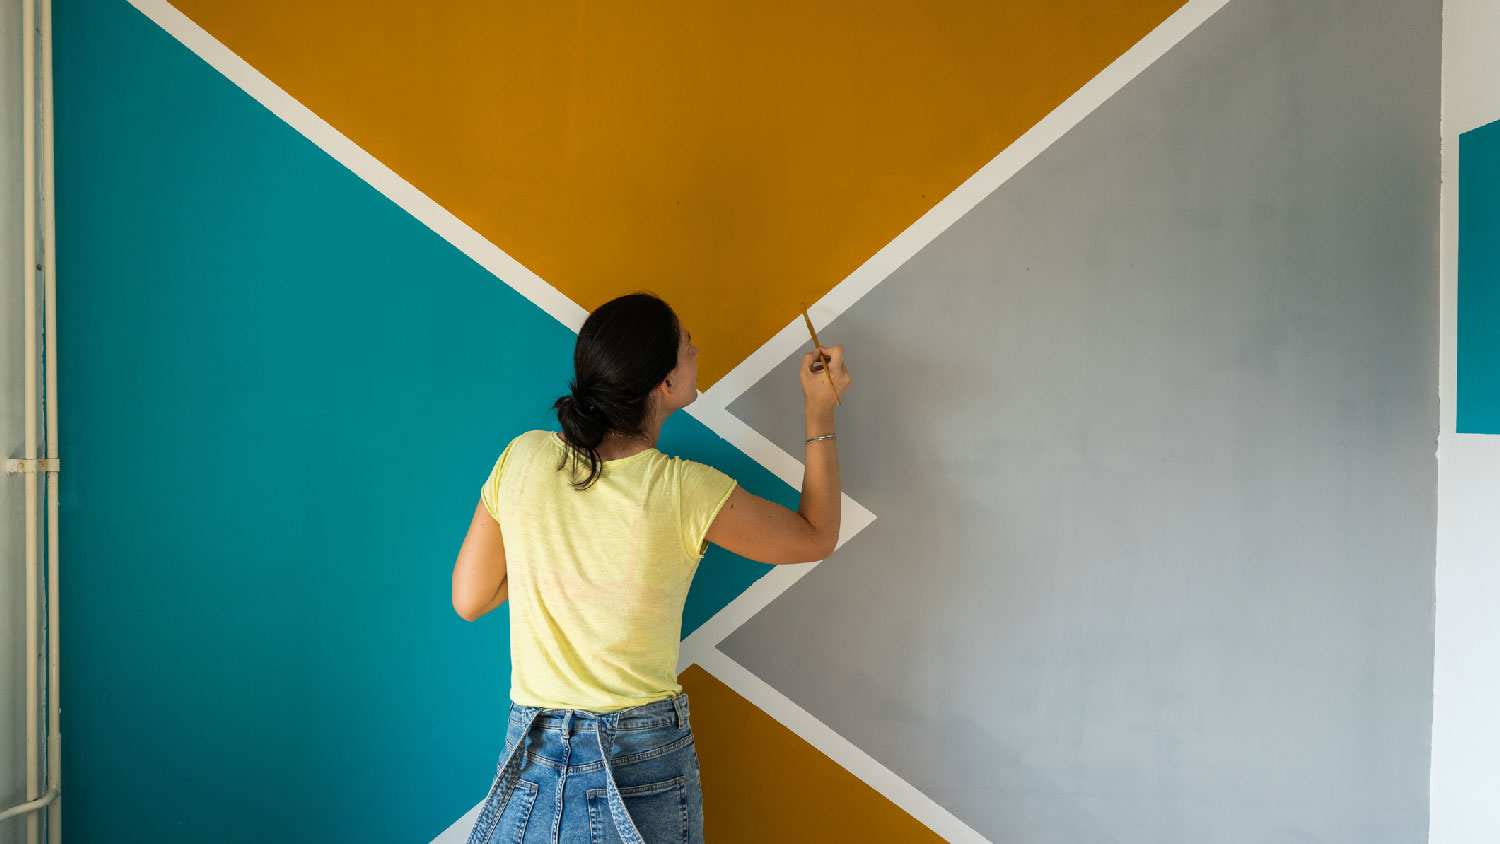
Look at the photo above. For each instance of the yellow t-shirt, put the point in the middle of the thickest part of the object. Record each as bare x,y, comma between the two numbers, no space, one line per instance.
598,577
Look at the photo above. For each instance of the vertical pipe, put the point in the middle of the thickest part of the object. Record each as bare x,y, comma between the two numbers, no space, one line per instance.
28,276
54,478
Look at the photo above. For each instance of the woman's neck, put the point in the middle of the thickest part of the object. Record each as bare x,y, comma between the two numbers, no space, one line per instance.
618,446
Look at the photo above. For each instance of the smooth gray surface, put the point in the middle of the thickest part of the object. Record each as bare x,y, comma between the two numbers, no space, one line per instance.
1149,436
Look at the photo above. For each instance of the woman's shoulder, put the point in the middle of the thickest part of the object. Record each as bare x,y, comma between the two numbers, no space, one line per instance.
693,472
530,441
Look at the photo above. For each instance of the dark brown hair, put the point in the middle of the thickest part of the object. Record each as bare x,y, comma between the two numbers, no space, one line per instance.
625,349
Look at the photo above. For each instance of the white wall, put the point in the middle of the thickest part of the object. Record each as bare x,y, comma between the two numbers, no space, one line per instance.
1466,689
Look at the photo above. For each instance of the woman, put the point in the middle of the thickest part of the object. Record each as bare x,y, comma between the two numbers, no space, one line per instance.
594,535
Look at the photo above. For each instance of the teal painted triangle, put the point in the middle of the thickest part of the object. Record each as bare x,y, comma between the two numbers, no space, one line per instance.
281,395
1478,321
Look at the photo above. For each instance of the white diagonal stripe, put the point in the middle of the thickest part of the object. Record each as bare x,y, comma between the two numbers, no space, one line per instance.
962,200
839,749
362,164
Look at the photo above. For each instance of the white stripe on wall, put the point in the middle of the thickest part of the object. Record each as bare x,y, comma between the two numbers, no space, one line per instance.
1464,808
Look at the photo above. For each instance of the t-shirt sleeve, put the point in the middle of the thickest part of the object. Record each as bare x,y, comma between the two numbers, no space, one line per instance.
490,492
704,491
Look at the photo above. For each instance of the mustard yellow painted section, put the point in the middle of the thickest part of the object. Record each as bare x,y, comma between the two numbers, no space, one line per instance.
737,158
762,782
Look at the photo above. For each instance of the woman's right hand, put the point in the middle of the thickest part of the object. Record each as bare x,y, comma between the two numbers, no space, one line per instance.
816,394
758,529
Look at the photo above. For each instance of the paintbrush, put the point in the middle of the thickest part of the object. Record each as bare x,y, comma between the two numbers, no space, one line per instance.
821,357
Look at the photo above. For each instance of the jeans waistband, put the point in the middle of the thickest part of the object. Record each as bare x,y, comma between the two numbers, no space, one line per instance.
659,713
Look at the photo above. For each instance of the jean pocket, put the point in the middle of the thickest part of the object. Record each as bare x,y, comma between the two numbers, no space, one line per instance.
659,810
641,746
511,827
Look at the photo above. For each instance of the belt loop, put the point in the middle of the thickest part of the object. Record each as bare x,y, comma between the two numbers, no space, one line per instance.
567,726
679,703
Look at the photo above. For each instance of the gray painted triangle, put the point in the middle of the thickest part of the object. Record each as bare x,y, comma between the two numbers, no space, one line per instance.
1149,435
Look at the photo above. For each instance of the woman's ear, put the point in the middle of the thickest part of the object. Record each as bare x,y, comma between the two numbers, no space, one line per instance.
659,396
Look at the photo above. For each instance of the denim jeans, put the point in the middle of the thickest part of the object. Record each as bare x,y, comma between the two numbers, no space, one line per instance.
570,776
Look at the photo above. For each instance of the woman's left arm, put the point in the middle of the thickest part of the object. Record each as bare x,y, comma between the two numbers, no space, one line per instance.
479,581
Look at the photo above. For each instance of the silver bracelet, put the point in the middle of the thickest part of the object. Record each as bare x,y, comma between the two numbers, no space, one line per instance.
815,439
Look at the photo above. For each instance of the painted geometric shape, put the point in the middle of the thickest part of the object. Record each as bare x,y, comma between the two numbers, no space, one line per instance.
762,782
1150,436
736,159
1478,369
283,392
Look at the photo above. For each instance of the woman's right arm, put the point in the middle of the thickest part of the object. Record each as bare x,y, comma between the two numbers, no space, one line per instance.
765,531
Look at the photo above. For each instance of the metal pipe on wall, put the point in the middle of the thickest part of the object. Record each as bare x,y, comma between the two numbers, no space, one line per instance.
39,471
28,273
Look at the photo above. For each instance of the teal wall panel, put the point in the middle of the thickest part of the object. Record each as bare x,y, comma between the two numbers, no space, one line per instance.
1478,400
